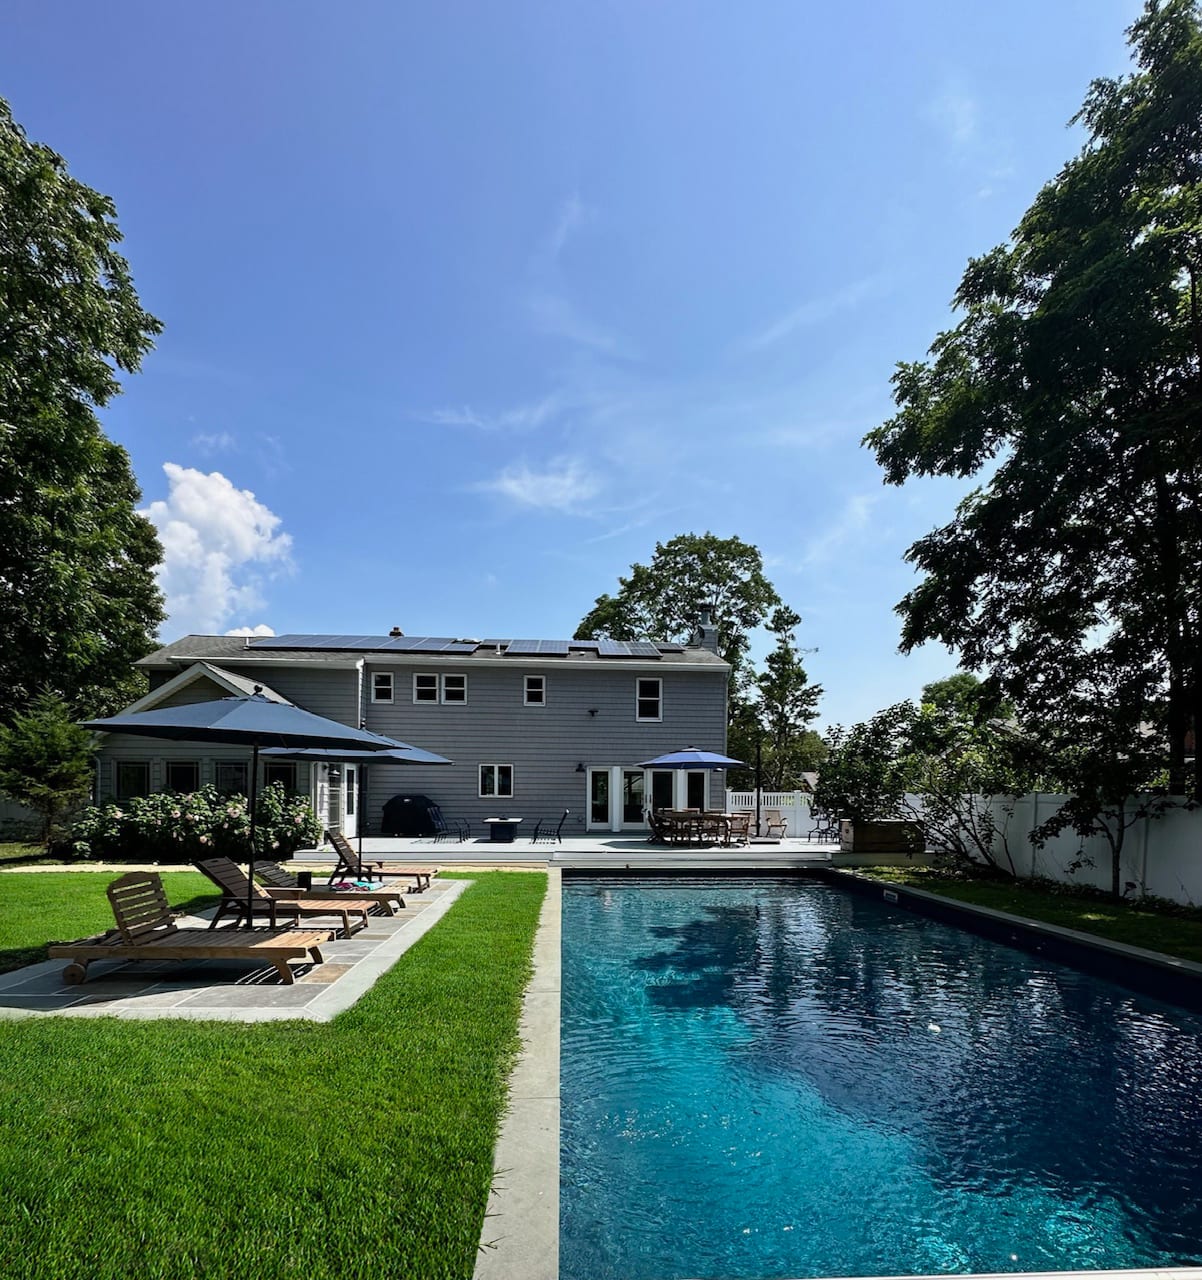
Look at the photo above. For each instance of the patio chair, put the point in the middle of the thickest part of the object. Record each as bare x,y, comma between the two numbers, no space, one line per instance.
146,930
455,829
773,824
740,827
282,883
236,888
350,863
825,828
543,830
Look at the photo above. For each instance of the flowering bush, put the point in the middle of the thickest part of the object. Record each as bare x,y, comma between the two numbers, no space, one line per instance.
170,827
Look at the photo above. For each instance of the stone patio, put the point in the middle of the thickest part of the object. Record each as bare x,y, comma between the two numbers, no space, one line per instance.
231,991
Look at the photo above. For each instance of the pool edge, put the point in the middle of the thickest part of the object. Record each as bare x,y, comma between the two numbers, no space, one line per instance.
520,1235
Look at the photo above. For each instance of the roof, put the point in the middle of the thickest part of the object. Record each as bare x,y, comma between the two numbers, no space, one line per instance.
322,650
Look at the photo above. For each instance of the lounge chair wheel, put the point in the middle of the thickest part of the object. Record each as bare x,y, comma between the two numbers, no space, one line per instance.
74,974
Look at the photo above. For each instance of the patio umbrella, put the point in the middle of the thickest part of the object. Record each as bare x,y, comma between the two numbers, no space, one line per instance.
692,758
400,753
253,721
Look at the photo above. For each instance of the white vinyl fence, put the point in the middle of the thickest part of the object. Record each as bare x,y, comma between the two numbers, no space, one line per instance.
1161,856
793,805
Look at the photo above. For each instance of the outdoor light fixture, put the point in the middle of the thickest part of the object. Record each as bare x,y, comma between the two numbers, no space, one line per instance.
335,773
580,767
593,710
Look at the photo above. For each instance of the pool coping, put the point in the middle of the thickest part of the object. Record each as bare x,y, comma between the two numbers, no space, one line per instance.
1164,977
520,1235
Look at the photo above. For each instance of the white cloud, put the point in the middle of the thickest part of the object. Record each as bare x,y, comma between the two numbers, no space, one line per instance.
261,630
214,442
556,316
812,312
565,485
573,213
218,542
852,521
522,417
956,115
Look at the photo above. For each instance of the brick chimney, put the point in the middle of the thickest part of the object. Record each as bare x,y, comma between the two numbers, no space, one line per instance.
395,633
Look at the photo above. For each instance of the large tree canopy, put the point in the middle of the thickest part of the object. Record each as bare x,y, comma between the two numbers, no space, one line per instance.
78,600
662,600
1072,576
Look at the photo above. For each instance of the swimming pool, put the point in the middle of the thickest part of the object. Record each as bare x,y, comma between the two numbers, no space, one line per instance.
774,1078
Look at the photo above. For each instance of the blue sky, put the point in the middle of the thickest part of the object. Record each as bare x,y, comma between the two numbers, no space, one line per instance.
467,306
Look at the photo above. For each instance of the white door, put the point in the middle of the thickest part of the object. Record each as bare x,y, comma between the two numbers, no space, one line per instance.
350,801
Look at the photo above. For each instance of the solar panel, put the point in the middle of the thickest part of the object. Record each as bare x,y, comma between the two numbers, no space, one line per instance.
544,648
590,645
628,649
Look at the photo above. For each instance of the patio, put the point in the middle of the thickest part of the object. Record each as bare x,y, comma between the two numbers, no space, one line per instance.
229,990
594,852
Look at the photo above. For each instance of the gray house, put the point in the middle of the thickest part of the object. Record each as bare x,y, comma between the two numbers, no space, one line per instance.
533,726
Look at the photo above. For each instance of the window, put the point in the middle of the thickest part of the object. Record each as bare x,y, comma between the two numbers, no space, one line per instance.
439,688
381,686
454,688
648,700
536,691
282,771
232,776
496,780
133,779
183,776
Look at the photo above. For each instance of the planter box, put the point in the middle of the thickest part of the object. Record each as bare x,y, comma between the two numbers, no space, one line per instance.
880,837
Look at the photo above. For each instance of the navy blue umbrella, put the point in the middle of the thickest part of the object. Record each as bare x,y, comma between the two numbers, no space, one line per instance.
254,721
692,758
402,753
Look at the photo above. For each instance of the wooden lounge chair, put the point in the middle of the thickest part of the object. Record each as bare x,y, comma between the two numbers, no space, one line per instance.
234,886
349,865
282,883
146,930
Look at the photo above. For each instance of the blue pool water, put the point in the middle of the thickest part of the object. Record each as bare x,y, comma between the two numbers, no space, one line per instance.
774,1078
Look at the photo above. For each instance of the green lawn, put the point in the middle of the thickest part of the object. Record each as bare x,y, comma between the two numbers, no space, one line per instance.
39,907
359,1148
1173,931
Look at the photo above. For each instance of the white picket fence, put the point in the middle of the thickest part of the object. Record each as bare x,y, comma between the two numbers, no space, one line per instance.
793,805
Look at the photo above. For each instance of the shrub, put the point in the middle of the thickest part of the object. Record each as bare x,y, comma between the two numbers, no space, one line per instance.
170,827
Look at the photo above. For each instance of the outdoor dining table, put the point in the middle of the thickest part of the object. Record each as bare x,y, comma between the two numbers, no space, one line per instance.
692,826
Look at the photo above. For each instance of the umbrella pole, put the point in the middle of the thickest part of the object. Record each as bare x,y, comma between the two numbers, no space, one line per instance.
250,871
759,760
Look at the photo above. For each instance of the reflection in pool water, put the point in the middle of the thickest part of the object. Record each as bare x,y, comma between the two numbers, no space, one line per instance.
773,1078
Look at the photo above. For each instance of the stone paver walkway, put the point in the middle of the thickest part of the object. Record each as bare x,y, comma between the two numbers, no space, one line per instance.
224,990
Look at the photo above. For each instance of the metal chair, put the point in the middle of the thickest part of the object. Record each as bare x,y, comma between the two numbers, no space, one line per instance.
544,831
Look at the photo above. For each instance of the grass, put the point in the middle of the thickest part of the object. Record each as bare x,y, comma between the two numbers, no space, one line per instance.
359,1148
58,906
1163,927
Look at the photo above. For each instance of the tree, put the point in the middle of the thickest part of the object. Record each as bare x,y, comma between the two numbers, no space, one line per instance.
662,600
941,768
776,720
1072,575
78,600
46,761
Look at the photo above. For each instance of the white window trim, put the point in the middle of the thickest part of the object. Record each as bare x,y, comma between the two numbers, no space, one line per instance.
496,794
442,688
426,675
538,702
440,692
659,698
382,675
